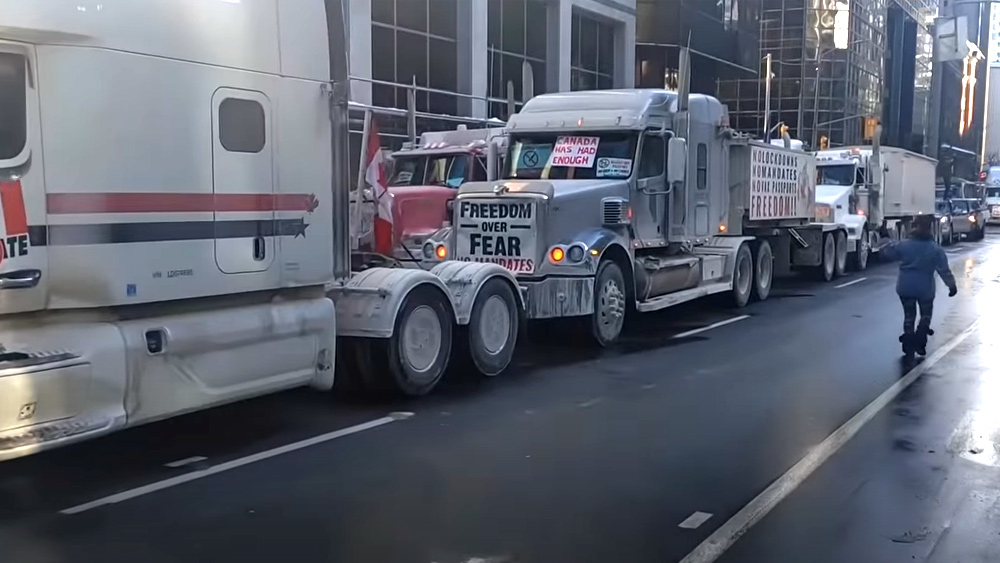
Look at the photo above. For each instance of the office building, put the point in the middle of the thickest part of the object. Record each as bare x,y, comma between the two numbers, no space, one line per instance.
723,36
475,47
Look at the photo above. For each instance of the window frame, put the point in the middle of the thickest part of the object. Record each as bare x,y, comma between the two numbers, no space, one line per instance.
641,173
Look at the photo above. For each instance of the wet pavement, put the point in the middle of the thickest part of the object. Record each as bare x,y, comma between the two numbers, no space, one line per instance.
576,456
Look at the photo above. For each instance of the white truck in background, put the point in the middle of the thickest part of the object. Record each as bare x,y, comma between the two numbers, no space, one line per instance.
868,187
197,250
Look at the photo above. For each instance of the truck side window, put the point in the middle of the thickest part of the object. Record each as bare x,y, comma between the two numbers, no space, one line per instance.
702,166
13,110
651,162
859,176
241,125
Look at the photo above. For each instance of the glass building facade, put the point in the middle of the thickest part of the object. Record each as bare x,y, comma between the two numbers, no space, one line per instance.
840,68
723,36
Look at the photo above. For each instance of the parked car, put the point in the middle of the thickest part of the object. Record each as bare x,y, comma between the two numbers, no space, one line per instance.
968,219
942,211
993,203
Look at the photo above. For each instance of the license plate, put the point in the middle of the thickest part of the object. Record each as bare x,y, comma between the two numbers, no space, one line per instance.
498,231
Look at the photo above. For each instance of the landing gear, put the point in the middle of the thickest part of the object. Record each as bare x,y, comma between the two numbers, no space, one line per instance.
610,302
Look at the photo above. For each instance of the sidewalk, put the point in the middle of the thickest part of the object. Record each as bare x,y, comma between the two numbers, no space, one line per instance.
920,482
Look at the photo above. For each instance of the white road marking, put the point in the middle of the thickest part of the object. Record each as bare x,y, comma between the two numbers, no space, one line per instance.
711,326
185,461
850,283
229,465
590,403
694,521
726,535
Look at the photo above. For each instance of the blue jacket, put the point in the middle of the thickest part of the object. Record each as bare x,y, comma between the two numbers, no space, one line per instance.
919,259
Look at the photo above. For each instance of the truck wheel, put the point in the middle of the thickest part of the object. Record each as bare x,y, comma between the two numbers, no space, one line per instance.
827,259
609,303
420,346
763,275
859,260
742,276
493,328
840,263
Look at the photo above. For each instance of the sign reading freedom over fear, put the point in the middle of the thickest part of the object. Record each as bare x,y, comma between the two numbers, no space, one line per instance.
574,152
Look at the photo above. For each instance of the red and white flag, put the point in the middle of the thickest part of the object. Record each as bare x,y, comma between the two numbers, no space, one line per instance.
375,177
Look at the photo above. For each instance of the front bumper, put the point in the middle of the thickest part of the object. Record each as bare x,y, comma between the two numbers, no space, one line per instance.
556,297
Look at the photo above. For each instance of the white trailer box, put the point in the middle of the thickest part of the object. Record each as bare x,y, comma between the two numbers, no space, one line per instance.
909,183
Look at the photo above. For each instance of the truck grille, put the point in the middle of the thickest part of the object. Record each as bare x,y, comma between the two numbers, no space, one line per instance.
614,211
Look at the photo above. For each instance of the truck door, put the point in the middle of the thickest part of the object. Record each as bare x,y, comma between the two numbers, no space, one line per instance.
243,181
649,205
23,251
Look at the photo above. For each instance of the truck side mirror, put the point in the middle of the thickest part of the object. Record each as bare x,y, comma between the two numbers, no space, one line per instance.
677,158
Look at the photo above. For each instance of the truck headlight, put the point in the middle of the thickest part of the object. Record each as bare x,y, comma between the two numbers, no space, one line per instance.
576,253
944,219
428,251
972,218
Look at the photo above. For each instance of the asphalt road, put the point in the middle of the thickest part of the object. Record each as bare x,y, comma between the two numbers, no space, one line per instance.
576,456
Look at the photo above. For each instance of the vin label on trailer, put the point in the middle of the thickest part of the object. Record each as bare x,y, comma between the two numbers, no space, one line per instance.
498,232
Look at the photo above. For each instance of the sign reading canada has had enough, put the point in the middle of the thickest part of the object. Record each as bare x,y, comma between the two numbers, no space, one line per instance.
575,152
782,184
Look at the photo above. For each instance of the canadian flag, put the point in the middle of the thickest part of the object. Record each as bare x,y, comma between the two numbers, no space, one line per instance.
375,176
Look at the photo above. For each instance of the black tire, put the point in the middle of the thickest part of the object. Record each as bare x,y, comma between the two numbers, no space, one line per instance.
763,271
828,255
393,369
495,311
862,252
610,304
840,261
742,277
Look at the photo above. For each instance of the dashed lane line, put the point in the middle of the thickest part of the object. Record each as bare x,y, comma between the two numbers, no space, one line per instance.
711,326
230,465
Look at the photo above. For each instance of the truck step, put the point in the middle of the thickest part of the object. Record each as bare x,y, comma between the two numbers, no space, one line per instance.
671,299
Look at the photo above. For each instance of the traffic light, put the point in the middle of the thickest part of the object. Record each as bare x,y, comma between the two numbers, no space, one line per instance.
824,142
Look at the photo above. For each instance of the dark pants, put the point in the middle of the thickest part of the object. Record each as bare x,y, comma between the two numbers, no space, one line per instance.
910,305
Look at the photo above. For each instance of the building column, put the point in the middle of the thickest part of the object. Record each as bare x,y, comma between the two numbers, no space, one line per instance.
360,52
473,53
625,54
560,46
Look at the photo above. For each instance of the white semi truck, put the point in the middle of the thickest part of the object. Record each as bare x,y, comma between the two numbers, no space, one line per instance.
621,200
174,189
870,187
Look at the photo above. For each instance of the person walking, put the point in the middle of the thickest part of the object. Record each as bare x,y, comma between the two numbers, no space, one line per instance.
919,258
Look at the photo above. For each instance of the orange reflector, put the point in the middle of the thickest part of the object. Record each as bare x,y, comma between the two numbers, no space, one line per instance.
441,251
594,252
557,254
722,228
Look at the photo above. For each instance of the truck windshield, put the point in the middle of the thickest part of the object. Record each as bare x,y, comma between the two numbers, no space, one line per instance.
571,157
835,175
428,170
